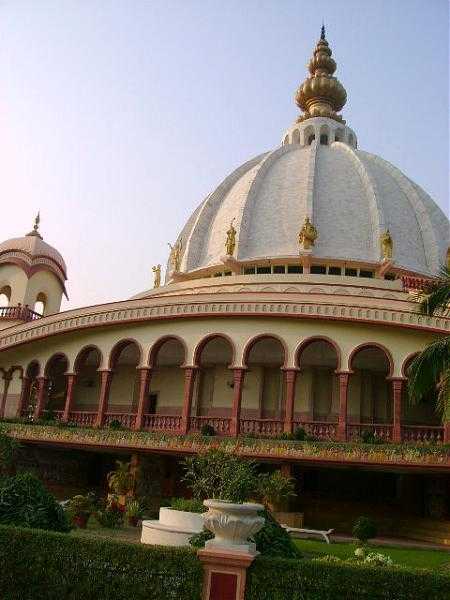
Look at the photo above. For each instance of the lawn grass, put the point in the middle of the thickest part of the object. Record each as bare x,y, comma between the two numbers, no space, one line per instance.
411,557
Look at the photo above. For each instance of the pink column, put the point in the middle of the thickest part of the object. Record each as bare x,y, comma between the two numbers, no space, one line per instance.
397,389
343,394
7,379
290,379
145,375
105,384
189,381
26,386
71,378
447,432
42,387
238,379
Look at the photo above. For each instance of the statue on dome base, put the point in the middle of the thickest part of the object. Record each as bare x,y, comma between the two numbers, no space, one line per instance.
157,277
307,236
448,258
175,255
230,243
387,245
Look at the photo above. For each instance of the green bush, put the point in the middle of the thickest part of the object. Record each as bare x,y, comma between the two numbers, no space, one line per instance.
220,475
51,566
188,504
364,529
25,502
282,579
8,449
207,430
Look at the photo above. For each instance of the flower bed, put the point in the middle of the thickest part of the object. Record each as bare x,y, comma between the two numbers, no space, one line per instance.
404,454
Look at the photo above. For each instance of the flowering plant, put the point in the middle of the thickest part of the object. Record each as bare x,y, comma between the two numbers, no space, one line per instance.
379,560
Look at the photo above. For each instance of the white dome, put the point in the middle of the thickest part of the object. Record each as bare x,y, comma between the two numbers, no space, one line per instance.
351,197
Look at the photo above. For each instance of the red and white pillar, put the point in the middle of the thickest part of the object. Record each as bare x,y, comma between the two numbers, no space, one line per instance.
238,380
42,389
290,379
190,374
7,380
71,378
344,378
105,384
145,375
397,391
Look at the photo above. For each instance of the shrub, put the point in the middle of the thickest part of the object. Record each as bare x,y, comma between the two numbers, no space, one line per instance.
121,480
207,430
283,579
51,566
115,424
364,529
220,475
25,502
79,509
368,437
8,449
188,504
274,488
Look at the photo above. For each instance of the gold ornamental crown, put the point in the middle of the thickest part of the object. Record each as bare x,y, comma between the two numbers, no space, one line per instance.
321,94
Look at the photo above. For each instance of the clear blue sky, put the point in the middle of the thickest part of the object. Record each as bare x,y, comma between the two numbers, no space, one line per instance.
118,117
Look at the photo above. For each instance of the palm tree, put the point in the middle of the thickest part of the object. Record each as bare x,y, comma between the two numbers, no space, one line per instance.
430,370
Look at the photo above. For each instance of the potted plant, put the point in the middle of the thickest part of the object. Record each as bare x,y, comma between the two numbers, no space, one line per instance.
225,482
121,481
133,512
79,509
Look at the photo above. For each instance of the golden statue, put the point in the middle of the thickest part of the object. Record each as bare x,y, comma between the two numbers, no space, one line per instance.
386,244
230,243
175,255
157,279
448,258
307,236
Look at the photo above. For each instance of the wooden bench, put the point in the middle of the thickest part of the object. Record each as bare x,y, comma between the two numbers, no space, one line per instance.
310,532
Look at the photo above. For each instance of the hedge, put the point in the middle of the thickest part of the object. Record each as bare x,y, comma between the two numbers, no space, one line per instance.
37,564
284,579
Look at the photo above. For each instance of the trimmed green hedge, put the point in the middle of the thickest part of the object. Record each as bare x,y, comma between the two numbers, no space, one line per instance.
45,565
282,579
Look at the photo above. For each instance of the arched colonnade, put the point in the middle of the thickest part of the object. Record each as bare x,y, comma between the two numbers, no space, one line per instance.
256,393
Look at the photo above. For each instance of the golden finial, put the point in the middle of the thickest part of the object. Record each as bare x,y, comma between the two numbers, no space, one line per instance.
307,236
448,258
35,230
157,276
230,243
321,94
387,245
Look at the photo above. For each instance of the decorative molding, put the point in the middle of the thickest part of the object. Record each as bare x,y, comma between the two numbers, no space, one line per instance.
146,310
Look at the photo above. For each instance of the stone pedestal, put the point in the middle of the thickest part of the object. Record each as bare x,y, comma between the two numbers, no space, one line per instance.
225,573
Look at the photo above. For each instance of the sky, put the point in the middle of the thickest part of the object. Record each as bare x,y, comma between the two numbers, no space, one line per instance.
118,117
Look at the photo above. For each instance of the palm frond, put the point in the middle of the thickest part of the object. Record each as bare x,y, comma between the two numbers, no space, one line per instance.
428,370
436,296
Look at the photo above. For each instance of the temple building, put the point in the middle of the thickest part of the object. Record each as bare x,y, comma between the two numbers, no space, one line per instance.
289,301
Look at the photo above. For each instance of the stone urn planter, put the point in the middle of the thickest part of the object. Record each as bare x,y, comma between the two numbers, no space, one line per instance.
232,525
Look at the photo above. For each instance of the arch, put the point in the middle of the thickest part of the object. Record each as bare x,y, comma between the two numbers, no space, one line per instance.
370,388
263,394
40,303
317,387
339,135
83,354
206,340
351,139
124,360
324,135
214,394
29,392
296,136
167,358
33,369
5,296
56,388
253,341
308,135
286,140
406,363
318,338
156,347
422,412
86,387
367,345
118,348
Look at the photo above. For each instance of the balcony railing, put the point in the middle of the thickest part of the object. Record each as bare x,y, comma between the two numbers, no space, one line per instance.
270,428
18,313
